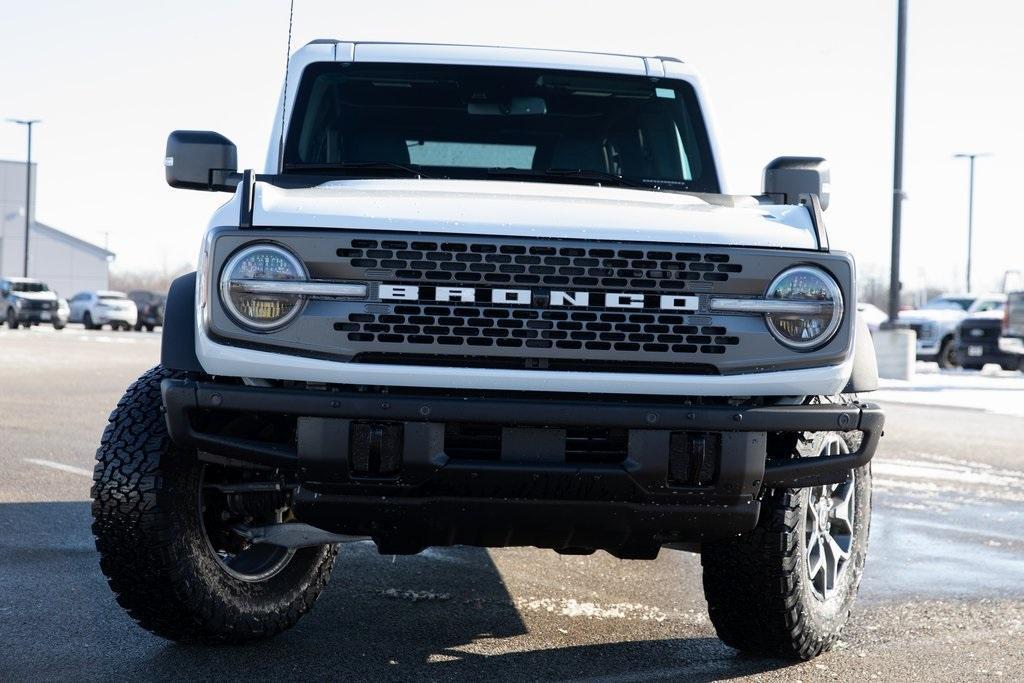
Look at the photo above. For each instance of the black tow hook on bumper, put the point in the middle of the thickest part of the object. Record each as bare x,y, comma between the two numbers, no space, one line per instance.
184,398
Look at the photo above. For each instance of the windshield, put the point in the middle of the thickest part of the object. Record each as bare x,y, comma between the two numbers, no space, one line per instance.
29,287
445,121
112,297
950,304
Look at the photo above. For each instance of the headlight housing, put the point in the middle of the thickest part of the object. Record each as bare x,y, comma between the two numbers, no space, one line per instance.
815,308
260,310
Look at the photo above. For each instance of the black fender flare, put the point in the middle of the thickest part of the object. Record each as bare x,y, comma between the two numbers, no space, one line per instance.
178,346
865,365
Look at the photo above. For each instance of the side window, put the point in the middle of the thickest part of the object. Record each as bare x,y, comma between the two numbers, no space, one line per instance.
990,305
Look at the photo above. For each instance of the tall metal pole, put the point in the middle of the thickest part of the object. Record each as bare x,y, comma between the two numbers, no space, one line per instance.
970,208
897,168
970,221
28,123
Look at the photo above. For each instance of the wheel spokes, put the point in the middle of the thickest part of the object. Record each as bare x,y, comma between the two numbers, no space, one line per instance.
815,559
829,521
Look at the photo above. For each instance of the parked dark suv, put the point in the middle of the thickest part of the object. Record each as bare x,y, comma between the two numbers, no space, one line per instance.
151,308
977,343
24,301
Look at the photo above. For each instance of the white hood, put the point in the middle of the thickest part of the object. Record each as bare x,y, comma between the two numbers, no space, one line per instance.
36,296
929,315
529,209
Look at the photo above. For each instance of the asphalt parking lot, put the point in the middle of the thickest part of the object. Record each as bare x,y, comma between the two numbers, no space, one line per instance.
942,597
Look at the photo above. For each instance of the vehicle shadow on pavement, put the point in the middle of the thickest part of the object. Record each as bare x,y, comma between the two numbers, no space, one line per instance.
381,618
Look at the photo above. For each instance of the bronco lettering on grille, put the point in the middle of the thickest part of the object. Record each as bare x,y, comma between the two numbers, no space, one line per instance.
526,297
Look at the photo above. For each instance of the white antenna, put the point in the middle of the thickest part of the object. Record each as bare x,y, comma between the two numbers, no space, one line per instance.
284,94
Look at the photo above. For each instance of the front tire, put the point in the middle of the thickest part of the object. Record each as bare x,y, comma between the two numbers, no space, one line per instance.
165,536
786,588
947,355
12,319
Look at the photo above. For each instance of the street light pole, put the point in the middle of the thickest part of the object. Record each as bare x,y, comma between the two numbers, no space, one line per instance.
897,166
970,208
28,123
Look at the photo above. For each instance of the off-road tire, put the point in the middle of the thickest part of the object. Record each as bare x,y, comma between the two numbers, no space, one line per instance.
759,596
153,550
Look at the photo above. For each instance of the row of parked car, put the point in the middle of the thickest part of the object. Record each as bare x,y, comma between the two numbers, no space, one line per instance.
26,302
958,330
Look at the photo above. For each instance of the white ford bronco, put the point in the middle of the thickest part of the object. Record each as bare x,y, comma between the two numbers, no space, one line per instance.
495,297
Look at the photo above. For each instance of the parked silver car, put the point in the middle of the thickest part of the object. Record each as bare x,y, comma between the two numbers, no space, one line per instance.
103,307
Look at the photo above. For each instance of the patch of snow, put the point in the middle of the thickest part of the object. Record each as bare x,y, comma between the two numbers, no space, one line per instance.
570,607
991,390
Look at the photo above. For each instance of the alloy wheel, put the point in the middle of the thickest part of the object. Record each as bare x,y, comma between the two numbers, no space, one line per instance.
828,527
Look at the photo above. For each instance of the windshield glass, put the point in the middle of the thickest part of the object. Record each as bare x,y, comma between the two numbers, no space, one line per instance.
950,304
447,121
112,297
29,287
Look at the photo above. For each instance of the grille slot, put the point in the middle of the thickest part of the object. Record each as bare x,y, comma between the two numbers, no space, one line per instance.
472,325
582,444
513,264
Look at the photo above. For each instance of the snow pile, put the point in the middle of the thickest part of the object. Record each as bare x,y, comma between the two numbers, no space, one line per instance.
991,390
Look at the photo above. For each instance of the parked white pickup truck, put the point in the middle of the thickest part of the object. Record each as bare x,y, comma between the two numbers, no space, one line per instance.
495,297
936,323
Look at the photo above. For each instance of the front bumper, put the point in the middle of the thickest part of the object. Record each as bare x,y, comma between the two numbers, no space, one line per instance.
981,353
424,493
35,316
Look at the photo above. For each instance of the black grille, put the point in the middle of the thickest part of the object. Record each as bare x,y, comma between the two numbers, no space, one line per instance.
469,325
981,331
582,444
517,363
516,264
923,330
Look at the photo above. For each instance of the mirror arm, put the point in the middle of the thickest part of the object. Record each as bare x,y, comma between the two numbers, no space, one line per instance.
224,179
813,205
245,209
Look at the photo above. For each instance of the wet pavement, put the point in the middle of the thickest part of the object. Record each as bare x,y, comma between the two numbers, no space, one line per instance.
942,597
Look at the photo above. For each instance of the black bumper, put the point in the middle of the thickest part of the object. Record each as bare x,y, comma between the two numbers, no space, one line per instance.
990,353
385,465
36,317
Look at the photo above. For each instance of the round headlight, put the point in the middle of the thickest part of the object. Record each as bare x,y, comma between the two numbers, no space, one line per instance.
243,297
815,308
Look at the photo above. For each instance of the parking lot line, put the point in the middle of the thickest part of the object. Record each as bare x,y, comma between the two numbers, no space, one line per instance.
81,471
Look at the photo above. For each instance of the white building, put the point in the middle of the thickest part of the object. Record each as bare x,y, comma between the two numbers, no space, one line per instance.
68,264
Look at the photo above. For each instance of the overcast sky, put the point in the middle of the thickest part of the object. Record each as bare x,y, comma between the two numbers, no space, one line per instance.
111,79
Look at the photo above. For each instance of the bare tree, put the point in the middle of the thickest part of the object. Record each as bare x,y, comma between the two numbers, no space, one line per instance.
158,281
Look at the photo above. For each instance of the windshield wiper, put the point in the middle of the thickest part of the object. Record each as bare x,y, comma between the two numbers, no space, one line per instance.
356,167
568,173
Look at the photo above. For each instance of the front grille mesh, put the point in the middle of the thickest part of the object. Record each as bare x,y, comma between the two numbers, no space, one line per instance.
480,326
557,266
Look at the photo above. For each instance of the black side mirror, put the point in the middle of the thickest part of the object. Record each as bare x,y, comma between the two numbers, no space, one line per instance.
791,177
201,160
